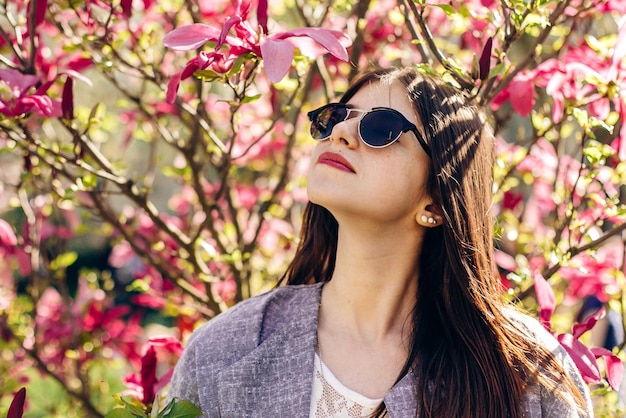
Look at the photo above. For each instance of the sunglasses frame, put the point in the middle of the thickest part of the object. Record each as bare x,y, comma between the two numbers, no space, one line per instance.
406,124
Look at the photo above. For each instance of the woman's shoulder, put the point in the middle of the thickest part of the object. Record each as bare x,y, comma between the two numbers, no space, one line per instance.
548,403
532,327
541,337
249,322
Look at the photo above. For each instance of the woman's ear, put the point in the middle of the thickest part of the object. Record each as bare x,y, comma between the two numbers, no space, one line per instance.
430,216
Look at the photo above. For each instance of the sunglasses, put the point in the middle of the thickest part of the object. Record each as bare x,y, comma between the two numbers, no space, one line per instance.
378,128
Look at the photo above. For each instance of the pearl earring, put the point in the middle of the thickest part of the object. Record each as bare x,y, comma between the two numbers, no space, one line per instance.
428,219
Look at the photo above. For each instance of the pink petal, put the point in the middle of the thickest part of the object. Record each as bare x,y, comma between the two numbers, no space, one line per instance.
190,37
620,142
505,260
587,324
164,380
43,103
557,108
545,299
17,81
522,91
75,74
127,8
614,371
619,51
191,67
172,88
277,57
583,358
614,366
78,64
331,40
600,108
261,15
149,301
40,12
230,22
171,344
7,236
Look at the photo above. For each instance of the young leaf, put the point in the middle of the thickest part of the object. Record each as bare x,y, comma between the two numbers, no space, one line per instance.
447,9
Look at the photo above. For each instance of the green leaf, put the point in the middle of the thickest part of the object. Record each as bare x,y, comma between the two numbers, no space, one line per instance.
119,413
239,63
582,117
154,413
537,20
165,412
249,99
597,152
89,181
136,408
183,409
447,9
64,260
95,116
497,70
207,75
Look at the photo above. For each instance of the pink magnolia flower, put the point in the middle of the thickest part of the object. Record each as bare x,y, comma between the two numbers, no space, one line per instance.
593,275
147,384
574,78
575,75
545,299
7,236
15,99
604,6
584,358
520,93
276,50
225,289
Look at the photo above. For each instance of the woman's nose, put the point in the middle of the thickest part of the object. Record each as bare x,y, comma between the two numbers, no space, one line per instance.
346,132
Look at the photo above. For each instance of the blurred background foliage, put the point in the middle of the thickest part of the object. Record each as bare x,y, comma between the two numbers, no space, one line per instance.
145,189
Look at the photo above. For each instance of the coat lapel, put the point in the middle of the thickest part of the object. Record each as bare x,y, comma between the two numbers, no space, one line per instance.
275,379
401,400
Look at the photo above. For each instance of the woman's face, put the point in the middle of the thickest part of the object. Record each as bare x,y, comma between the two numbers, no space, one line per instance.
385,184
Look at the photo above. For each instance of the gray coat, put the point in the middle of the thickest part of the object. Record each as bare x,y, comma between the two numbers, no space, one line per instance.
256,360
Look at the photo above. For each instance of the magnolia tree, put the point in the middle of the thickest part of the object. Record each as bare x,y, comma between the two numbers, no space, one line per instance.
154,152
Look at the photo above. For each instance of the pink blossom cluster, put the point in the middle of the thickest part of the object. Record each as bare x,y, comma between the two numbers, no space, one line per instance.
276,50
580,75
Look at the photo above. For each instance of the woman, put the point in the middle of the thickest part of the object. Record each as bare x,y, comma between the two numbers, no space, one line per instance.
392,307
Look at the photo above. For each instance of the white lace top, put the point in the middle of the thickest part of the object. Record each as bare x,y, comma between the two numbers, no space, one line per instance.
331,399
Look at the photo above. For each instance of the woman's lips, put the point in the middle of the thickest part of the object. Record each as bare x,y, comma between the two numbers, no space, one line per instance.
336,161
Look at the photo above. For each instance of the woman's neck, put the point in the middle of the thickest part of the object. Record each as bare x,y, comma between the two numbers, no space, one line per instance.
373,289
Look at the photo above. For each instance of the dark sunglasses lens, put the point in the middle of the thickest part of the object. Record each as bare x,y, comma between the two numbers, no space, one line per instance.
323,120
380,128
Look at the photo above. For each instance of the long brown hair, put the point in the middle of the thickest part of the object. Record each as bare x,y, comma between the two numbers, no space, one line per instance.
470,359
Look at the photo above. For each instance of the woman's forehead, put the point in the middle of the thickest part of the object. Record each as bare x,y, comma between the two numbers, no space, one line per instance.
384,94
